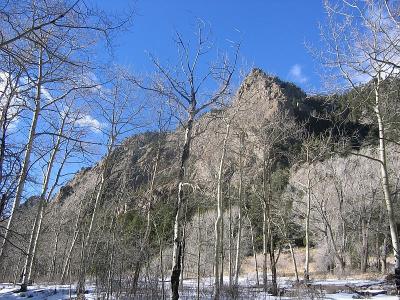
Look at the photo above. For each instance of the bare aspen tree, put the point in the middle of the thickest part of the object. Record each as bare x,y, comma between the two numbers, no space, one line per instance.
11,101
184,87
240,204
150,200
253,248
117,112
46,51
362,44
14,30
313,150
277,130
218,226
198,252
44,198
29,146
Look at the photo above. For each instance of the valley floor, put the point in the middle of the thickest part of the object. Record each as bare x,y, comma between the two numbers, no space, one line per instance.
319,289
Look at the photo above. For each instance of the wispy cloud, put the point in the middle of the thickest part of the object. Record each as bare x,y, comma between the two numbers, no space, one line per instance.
296,74
89,122
14,102
46,94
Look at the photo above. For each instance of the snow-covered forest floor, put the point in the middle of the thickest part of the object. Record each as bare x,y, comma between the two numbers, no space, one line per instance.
42,292
318,289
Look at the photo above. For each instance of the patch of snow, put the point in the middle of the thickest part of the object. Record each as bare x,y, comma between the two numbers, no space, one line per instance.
353,282
42,292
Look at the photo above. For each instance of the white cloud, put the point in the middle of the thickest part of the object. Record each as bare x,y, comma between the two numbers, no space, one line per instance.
89,122
14,103
47,94
296,74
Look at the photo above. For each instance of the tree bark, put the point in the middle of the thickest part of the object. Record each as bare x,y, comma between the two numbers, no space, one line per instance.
179,218
365,245
386,186
254,250
307,226
265,224
35,233
198,253
230,239
218,222
296,273
25,165
239,232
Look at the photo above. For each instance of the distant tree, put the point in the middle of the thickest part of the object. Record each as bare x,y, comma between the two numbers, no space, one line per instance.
118,110
271,136
186,87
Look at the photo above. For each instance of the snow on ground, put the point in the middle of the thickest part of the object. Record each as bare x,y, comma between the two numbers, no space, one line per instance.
42,292
348,281
59,292
343,296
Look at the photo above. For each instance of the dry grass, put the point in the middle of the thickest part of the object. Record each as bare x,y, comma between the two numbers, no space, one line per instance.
285,267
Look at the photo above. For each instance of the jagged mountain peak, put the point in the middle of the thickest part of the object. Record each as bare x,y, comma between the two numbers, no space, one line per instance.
261,95
259,81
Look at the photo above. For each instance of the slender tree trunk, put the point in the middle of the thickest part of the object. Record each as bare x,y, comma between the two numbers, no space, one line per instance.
17,270
35,233
178,224
365,245
183,251
265,249
54,255
294,261
222,248
384,255
386,187
111,265
218,222
25,165
230,240
274,287
80,286
162,271
265,225
254,250
274,283
307,225
198,253
4,123
338,255
239,232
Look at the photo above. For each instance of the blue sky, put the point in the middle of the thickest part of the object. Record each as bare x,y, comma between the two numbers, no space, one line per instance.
273,32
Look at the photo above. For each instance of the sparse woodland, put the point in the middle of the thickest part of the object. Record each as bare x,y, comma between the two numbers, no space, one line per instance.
203,179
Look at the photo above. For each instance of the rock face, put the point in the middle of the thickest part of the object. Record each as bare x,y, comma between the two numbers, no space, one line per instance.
258,99
261,96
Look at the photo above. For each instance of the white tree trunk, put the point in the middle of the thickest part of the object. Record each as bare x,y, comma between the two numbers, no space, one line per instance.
239,233
218,227
179,218
307,226
385,185
25,165
39,216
